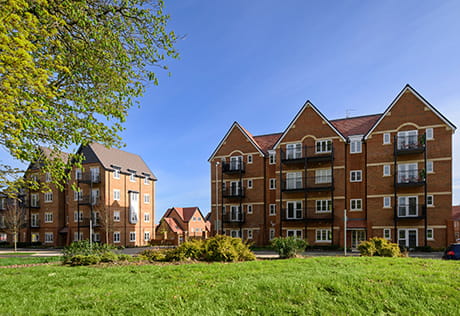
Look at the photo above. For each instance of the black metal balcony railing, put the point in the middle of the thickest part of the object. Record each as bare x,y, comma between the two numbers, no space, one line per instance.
32,204
234,217
410,211
311,153
89,200
316,183
305,214
89,177
233,167
233,192
410,178
409,144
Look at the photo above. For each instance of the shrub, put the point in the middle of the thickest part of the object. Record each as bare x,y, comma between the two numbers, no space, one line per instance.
377,246
84,248
84,260
125,257
288,247
153,255
109,257
225,248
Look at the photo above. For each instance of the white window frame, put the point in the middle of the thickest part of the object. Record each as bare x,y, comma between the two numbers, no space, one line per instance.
356,145
48,217
249,208
294,151
272,184
250,234
131,235
386,170
116,216
406,171
76,236
49,237
35,237
132,177
354,204
78,195
297,233
48,197
405,200
323,176
116,174
236,162
323,146
146,181
146,198
272,210
47,177
387,202
323,206
271,233
356,176
429,166
235,233
235,213
429,133
34,220
78,174
324,235
116,237
147,217
250,183
75,216
428,230
406,234
96,237
428,198
116,195
272,158
146,236
387,233
95,173
249,158
386,138
34,200
405,138
293,180
297,209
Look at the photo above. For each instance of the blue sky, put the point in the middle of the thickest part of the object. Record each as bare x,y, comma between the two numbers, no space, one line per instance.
257,62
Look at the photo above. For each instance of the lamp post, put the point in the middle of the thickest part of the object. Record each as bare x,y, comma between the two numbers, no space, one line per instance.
345,232
217,199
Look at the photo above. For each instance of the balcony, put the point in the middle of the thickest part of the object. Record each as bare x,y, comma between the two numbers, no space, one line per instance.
411,211
89,200
233,167
233,192
32,204
305,215
234,217
410,178
89,177
308,153
85,221
406,145
317,183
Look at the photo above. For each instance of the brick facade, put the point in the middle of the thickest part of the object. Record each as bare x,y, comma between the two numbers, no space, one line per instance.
391,172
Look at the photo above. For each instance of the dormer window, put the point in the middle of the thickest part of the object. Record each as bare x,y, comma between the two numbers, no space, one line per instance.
146,181
132,177
116,174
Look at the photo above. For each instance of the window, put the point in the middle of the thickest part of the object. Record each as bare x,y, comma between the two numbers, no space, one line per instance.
94,172
146,198
323,206
3,237
146,236
408,172
249,208
76,215
386,138
429,200
116,237
235,213
429,166
407,206
355,146
323,146
323,176
146,181
323,235
193,219
77,237
224,209
116,216
249,233
294,233
49,237
271,233
272,158
2,222
429,134
408,237
356,176
250,184
116,174
386,170
356,204
77,195
34,177
408,139
387,202
96,237
294,151
94,196
2,204
293,180
272,184
116,195
78,174
48,177
250,158
132,177
48,197
132,236
235,233
236,163
34,221
387,233
272,209
430,233
48,217
36,237
34,201
146,217
294,210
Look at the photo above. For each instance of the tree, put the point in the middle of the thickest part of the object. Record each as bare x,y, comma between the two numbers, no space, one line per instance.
69,72
13,219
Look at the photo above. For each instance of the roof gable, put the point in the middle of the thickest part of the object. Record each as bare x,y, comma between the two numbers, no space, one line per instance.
422,99
355,125
248,135
308,104
185,213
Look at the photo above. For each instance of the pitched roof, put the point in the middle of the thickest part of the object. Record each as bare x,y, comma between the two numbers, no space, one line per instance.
359,125
48,153
185,213
113,158
456,213
173,224
266,142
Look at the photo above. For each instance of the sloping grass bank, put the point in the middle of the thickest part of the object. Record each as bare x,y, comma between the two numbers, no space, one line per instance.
323,285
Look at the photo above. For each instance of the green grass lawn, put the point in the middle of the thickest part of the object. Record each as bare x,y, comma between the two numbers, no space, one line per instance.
8,261
17,253
320,286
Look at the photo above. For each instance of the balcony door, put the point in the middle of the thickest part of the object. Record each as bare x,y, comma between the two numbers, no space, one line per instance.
293,151
407,139
94,174
407,206
408,172
236,162
294,210
235,188
293,180
235,213
357,236
34,220
407,238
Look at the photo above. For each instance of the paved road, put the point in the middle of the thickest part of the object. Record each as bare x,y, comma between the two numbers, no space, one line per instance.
259,254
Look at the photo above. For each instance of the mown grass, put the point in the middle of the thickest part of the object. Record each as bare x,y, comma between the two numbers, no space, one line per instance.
320,286
8,261
17,253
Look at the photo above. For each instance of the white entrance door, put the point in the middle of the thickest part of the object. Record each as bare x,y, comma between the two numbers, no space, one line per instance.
357,236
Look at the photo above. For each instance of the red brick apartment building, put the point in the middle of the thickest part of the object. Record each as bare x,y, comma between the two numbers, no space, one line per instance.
112,201
391,173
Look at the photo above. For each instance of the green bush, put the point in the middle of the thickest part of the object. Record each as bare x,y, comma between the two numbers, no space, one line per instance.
225,248
153,255
109,257
377,246
84,260
288,247
84,248
125,257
